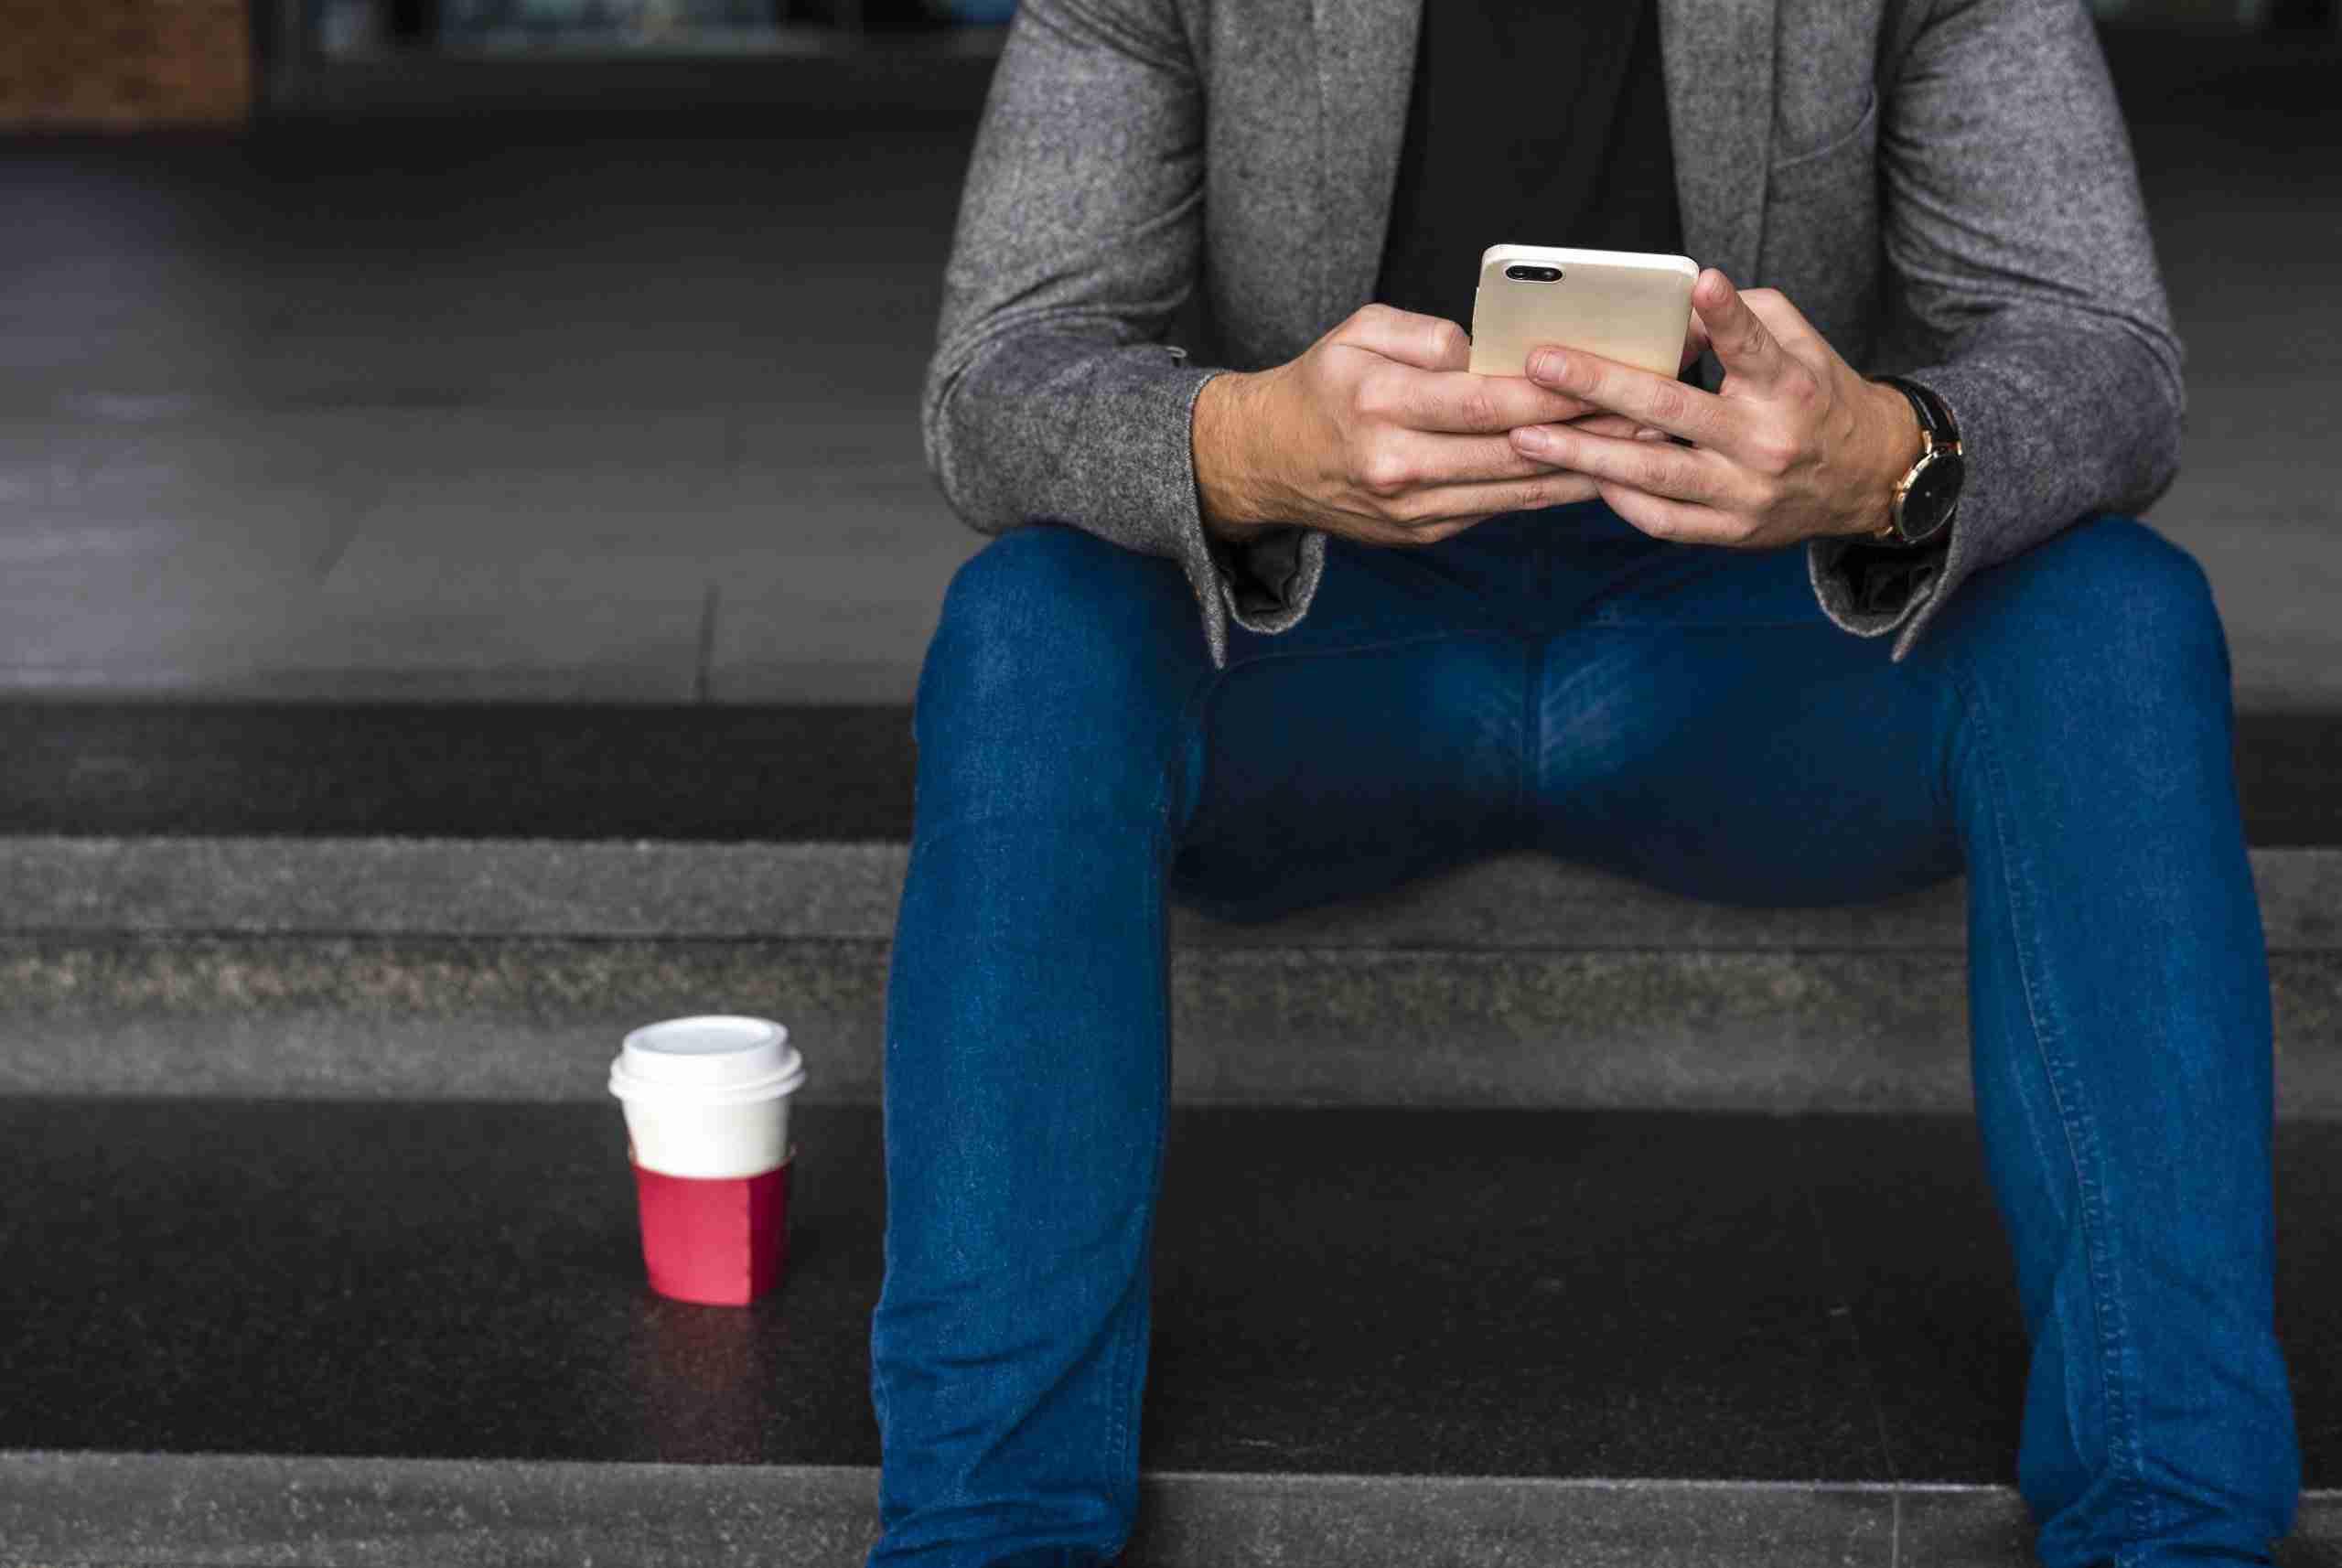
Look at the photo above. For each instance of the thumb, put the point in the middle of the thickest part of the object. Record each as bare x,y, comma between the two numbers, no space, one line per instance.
1695,343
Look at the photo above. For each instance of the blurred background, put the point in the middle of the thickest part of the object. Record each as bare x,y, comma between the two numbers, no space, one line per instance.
569,349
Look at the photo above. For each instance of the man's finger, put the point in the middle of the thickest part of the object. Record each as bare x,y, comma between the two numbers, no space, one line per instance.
1449,460
1431,462
1545,489
1695,343
1409,337
1617,425
1458,403
1785,321
1744,345
1661,468
1682,522
1662,401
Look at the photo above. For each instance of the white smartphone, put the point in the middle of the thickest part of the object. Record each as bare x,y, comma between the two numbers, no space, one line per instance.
1629,305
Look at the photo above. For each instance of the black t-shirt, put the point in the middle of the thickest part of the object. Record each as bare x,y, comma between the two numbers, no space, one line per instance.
1528,124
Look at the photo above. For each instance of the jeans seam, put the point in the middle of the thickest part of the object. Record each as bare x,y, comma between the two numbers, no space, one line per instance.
1125,1425
2080,1134
1131,1350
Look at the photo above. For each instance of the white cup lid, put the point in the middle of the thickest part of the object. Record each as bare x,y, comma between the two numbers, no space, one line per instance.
714,1058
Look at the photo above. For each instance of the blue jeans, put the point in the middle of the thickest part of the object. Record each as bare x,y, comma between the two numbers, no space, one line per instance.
1681,715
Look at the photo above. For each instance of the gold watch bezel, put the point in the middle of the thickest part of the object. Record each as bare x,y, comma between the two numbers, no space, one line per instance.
1930,450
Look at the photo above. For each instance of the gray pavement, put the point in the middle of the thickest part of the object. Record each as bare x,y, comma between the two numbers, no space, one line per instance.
462,410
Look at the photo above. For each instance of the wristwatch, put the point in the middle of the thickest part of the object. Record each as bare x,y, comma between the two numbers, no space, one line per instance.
1925,498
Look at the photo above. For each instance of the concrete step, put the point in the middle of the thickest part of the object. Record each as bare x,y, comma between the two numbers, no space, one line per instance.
706,773
392,1334
417,968
416,902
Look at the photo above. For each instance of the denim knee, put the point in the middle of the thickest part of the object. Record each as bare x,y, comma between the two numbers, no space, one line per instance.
2109,606
1059,665
2155,598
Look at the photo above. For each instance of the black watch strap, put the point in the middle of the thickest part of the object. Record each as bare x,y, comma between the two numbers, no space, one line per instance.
1934,417
1942,465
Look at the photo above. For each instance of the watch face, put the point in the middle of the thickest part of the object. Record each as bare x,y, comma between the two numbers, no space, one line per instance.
1935,491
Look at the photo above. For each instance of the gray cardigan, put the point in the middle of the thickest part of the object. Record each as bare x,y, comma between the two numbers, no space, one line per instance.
1944,187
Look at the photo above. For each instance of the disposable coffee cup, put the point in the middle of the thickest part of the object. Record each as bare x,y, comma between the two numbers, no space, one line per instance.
706,1102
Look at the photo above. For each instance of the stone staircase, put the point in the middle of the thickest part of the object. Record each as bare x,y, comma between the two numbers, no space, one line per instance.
1516,1217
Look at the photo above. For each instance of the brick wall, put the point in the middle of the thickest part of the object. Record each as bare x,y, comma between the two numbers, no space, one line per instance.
125,64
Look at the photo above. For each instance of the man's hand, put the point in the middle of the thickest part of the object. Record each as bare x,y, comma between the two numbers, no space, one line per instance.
1794,443
1378,432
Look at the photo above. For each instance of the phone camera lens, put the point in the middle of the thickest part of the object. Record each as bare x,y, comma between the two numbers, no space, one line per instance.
1534,275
